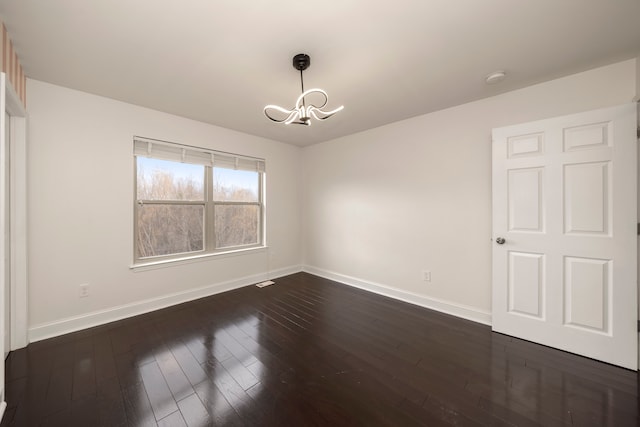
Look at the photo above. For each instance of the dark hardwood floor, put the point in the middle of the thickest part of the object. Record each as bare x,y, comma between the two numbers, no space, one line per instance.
308,352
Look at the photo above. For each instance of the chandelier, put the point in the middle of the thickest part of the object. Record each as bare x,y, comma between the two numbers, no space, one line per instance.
302,113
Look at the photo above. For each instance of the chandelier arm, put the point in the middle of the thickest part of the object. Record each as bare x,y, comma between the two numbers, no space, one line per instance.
312,113
324,114
310,91
289,113
294,116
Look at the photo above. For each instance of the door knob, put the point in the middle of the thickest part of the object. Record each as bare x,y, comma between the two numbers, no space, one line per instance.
500,241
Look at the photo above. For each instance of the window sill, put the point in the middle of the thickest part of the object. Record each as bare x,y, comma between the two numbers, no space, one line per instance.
152,265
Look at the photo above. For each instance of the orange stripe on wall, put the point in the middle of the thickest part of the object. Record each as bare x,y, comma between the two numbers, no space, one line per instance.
24,89
4,48
7,54
14,66
16,71
19,83
11,66
11,59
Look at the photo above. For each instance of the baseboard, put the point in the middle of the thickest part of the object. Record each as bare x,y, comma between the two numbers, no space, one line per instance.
459,310
96,318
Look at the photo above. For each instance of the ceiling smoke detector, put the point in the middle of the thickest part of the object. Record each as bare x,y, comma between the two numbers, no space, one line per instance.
495,77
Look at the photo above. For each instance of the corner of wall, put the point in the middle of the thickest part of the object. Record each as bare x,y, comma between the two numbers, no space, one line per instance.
637,98
302,208
447,307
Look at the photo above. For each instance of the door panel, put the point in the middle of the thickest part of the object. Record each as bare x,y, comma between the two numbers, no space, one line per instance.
526,284
525,193
526,145
587,293
587,205
587,136
564,201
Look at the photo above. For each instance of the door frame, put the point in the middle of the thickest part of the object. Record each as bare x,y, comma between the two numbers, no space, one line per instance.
18,200
10,103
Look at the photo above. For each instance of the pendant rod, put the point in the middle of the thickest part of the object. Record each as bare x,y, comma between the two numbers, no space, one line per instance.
302,84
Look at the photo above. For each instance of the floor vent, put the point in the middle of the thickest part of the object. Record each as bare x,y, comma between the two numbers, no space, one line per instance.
263,284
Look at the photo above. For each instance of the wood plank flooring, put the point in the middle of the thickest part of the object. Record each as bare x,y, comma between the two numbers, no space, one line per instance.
308,352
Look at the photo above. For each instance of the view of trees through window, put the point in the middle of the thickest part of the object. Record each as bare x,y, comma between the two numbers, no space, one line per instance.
236,212
173,207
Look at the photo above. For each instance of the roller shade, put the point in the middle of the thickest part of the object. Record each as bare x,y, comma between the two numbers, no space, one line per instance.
198,156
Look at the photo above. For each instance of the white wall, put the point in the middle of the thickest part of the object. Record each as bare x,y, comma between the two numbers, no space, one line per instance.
637,98
377,207
80,220
383,205
638,78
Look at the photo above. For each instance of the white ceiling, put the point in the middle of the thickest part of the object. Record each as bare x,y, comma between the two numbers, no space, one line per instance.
221,61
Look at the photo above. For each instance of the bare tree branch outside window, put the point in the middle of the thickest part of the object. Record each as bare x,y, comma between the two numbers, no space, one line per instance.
172,207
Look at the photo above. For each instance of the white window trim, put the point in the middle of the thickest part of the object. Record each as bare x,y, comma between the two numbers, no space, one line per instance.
209,159
153,265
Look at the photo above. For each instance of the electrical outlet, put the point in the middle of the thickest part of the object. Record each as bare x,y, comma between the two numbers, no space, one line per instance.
84,290
426,276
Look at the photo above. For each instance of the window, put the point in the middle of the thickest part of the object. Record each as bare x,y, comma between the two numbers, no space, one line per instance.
191,201
236,200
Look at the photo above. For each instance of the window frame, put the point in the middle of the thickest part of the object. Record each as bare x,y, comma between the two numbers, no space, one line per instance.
209,205
259,203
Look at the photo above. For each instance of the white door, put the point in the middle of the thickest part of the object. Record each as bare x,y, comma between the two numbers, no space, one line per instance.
564,233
